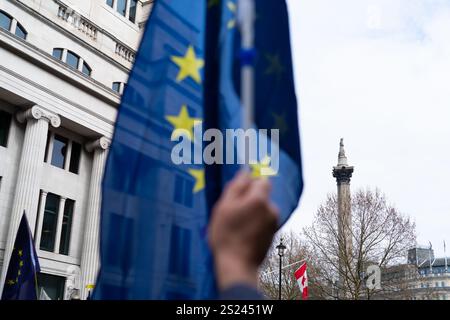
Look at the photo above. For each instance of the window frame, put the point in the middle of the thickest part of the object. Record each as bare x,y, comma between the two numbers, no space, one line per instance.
69,152
62,245
81,63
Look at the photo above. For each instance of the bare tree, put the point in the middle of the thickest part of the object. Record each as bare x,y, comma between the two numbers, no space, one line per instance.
378,235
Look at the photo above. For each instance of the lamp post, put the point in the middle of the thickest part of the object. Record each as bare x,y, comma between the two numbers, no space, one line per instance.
281,248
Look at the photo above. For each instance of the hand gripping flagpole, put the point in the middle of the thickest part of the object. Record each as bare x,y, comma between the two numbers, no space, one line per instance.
246,22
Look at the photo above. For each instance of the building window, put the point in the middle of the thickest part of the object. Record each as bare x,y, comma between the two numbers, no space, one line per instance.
133,9
73,60
50,286
75,157
58,53
5,123
122,7
63,153
118,87
59,151
54,227
86,69
10,24
66,227
49,223
5,21
126,8
20,31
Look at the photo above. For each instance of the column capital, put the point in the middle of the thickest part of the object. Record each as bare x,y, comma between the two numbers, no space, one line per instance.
102,143
37,113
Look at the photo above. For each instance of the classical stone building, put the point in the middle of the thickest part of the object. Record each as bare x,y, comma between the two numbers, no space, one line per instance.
423,277
64,64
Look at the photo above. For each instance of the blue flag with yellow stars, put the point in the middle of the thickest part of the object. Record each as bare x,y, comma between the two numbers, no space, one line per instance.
275,99
154,217
20,282
155,212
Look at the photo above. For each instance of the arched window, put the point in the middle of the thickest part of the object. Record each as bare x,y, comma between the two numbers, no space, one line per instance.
5,20
10,24
73,60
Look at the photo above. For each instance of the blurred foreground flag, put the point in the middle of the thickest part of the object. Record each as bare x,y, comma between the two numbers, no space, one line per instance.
275,100
21,283
155,212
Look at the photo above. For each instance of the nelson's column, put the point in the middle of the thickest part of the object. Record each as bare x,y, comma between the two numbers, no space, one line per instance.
343,173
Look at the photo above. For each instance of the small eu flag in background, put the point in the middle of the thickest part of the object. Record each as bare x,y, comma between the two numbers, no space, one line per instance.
20,283
155,213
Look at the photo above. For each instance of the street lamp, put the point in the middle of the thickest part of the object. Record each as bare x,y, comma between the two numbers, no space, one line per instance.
281,248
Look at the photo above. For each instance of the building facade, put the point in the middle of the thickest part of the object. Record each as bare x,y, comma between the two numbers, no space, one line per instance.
64,65
423,277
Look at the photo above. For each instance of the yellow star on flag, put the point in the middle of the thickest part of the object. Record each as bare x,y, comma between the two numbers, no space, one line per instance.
233,9
257,169
11,282
20,253
199,176
183,124
275,66
189,65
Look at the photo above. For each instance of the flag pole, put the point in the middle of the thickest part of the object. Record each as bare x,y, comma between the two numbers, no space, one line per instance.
246,22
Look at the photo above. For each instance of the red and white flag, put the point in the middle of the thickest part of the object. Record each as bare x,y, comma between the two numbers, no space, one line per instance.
302,280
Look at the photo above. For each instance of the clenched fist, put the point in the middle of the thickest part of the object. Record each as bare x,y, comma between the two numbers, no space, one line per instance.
241,230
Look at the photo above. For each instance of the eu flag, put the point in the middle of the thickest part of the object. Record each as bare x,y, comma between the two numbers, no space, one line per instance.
20,282
275,99
155,213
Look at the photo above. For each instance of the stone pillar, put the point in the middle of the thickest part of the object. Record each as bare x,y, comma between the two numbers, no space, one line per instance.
29,175
343,173
90,259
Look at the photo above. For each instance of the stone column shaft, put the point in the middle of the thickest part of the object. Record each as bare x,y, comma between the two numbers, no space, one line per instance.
343,174
90,259
29,175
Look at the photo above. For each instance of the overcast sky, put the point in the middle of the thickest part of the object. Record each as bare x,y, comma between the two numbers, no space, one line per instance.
377,73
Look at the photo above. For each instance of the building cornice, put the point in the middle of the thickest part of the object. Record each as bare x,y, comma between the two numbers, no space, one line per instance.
77,39
41,58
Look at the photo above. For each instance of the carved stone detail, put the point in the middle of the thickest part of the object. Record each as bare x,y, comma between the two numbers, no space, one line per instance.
39,113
